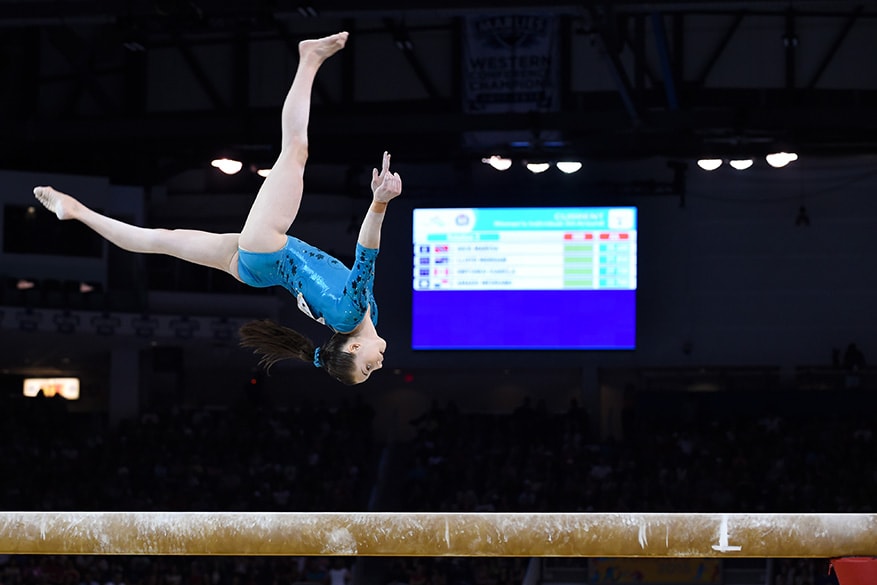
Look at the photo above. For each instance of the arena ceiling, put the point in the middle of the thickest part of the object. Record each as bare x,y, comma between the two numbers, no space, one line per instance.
141,90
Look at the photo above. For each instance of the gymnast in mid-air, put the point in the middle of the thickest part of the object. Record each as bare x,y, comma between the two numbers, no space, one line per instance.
263,255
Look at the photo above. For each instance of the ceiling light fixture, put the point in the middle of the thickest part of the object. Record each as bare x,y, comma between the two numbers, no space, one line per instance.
709,164
741,164
227,165
538,167
498,162
780,159
569,166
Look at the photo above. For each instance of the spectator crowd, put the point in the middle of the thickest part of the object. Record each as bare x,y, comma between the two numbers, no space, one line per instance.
320,458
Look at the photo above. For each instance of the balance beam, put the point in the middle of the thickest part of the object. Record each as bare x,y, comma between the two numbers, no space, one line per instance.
439,534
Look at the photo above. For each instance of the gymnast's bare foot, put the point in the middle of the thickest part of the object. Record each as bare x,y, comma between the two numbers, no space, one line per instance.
321,49
62,205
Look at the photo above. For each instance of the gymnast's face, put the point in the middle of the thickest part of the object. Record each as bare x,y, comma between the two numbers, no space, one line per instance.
368,356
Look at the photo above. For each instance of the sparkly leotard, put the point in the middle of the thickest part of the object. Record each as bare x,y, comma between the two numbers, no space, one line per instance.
327,291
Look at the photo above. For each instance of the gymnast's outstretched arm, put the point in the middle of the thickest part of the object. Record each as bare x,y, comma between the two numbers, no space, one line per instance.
385,186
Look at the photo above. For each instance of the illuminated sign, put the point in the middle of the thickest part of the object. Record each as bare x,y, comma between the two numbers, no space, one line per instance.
50,387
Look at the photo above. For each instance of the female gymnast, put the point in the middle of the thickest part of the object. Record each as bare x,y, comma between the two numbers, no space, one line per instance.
262,254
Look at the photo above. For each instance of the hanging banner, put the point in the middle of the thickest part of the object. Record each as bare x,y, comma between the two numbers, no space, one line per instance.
511,63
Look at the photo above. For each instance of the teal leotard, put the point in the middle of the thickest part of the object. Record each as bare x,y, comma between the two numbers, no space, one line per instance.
326,290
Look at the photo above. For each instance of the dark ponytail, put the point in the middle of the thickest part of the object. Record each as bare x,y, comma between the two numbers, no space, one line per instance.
275,343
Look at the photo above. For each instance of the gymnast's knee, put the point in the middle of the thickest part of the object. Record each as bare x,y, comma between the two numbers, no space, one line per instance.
294,151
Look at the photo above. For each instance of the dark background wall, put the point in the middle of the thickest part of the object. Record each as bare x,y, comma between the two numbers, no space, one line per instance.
124,106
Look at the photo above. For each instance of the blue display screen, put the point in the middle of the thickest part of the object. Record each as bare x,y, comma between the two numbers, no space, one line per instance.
524,278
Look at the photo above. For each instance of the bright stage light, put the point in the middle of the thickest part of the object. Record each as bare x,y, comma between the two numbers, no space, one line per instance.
227,165
569,166
780,159
539,167
498,162
709,164
741,164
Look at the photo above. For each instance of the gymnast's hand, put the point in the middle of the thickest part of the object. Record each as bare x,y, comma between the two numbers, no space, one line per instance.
386,185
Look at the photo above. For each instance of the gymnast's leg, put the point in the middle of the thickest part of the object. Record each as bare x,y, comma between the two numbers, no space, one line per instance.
207,249
273,211
278,200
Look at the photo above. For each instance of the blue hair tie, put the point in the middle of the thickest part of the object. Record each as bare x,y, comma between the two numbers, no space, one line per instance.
317,361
